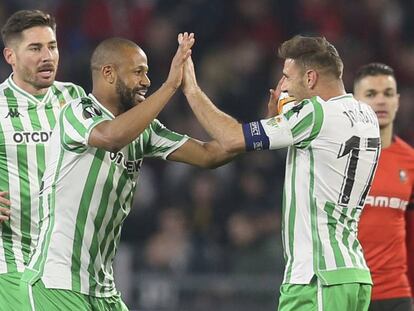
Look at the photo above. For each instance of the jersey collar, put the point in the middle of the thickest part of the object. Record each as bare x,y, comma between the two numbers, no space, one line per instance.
104,109
347,95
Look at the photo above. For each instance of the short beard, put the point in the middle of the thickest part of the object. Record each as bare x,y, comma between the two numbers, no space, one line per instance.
30,78
126,96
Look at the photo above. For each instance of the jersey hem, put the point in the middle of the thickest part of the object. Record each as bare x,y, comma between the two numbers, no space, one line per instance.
344,275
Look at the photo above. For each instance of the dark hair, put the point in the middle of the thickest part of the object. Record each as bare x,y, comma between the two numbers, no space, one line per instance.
22,20
373,69
109,51
313,52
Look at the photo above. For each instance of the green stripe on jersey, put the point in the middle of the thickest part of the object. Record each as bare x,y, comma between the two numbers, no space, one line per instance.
105,248
24,186
99,218
24,135
318,256
332,222
6,232
317,123
90,213
82,217
292,216
303,125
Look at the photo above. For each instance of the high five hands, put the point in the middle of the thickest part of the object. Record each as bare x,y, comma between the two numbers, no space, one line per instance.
185,42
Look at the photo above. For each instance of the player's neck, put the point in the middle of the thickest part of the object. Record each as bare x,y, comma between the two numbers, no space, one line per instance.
386,136
331,89
107,101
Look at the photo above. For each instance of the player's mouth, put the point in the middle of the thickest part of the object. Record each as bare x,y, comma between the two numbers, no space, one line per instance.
46,71
381,114
141,94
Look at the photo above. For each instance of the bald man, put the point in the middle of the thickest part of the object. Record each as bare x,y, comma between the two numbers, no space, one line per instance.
96,153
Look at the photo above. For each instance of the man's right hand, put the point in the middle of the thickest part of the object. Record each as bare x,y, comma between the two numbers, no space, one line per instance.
189,78
4,211
186,41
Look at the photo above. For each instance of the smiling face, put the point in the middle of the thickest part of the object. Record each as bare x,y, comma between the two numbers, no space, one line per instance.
132,81
294,80
34,58
380,92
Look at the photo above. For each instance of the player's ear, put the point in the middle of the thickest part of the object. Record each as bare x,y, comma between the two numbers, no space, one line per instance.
108,72
9,56
311,78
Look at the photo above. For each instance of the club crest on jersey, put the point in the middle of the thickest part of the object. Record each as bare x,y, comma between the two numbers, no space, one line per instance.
403,176
89,109
274,121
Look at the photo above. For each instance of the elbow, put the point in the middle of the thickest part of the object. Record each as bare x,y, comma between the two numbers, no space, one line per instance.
110,146
106,140
113,148
212,164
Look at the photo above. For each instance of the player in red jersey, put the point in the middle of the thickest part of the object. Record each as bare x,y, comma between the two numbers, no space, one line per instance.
386,228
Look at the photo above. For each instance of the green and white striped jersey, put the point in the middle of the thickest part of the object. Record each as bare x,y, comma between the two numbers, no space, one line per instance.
86,196
26,123
333,153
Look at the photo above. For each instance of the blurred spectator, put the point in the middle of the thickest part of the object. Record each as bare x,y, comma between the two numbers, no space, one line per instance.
170,248
255,243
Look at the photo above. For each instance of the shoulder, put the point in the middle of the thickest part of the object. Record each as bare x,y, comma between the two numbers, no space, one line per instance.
301,107
403,148
60,84
72,88
3,86
82,106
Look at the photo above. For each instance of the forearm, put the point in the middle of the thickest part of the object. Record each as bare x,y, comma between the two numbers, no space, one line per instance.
117,133
202,154
219,125
216,156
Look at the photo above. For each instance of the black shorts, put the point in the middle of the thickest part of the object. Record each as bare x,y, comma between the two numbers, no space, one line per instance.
394,304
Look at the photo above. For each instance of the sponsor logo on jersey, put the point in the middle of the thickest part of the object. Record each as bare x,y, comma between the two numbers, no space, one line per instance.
13,113
403,176
89,109
31,137
383,201
132,166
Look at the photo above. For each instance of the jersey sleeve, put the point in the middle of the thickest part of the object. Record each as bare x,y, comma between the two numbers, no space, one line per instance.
298,126
77,120
162,141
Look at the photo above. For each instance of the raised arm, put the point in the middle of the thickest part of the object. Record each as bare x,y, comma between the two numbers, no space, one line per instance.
226,130
115,134
202,154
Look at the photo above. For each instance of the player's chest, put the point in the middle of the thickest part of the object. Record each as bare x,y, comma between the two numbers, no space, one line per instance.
392,179
127,161
29,125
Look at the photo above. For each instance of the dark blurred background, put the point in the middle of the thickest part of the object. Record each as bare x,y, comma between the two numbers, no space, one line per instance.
210,239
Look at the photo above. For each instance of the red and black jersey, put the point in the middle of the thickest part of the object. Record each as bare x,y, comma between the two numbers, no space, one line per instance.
386,227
